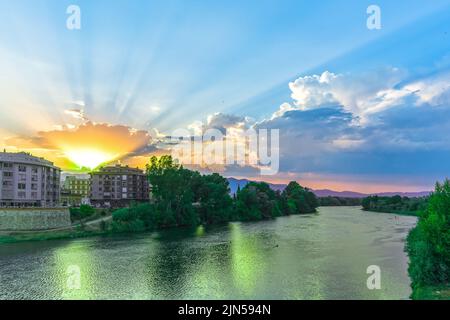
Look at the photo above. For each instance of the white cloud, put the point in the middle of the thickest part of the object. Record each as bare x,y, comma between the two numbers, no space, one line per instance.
361,95
312,91
433,91
76,114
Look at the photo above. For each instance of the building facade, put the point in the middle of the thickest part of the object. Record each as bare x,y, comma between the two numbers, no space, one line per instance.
118,186
75,191
78,186
28,181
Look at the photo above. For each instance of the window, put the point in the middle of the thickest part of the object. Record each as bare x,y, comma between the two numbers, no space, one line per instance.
7,174
34,170
21,186
21,194
7,165
22,169
7,183
34,186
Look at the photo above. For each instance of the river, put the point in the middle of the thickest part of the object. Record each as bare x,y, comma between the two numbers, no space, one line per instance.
319,256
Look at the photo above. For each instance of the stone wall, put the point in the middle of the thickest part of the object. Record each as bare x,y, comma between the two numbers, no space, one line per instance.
29,219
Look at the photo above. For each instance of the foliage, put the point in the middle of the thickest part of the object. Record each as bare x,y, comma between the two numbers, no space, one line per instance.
298,200
257,201
212,194
396,204
83,212
338,201
428,244
182,197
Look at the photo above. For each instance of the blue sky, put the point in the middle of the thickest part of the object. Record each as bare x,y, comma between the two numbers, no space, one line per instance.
167,64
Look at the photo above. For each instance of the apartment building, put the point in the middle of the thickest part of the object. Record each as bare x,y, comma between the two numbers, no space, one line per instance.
28,181
75,191
118,186
79,186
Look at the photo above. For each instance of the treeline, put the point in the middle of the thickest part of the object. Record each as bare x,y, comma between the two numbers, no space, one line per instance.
338,201
428,247
182,197
395,204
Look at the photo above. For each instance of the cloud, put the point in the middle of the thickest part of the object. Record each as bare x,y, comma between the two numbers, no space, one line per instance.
111,141
221,122
361,95
380,124
76,114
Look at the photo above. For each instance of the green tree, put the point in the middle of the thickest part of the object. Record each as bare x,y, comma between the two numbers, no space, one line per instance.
83,212
257,201
212,195
298,200
172,191
428,244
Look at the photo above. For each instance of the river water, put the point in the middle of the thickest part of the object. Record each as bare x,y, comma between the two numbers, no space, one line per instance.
320,256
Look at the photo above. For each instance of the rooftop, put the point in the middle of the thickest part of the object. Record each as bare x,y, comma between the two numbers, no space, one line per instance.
118,169
25,158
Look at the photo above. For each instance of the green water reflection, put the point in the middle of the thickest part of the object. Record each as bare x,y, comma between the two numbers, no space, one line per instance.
322,256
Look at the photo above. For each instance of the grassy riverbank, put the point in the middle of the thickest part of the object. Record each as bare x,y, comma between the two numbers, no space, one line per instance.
395,205
432,293
44,236
400,213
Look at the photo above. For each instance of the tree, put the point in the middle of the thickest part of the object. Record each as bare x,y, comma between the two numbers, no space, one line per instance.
298,200
428,244
257,201
172,191
212,193
83,212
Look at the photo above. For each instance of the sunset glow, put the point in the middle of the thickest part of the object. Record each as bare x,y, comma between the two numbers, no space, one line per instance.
348,117
89,158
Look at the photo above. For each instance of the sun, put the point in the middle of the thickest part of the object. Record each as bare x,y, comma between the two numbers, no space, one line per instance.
89,158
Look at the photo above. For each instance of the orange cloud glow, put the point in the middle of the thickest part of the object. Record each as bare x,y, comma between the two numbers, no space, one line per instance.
87,145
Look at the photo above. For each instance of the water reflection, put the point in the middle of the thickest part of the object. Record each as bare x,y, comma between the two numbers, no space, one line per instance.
321,256
72,273
248,257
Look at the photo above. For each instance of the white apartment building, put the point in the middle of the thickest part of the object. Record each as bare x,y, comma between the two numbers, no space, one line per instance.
28,181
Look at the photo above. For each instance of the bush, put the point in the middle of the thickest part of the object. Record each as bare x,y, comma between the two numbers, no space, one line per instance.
428,244
298,200
256,201
138,217
83,212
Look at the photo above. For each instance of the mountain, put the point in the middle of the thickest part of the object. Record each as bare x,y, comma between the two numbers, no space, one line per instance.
234,183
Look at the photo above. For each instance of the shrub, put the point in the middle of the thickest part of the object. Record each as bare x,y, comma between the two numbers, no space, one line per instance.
428,244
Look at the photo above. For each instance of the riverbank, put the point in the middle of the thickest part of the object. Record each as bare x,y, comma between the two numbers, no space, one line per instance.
400,213
44,236
432,293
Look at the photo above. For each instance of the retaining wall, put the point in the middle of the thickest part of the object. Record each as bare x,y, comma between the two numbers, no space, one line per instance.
29,219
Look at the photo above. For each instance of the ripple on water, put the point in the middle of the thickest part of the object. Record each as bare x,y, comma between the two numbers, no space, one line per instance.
320,256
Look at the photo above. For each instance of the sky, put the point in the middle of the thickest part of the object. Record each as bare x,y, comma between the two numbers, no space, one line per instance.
356,109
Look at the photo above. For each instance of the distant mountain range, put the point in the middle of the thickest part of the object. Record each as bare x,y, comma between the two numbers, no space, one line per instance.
234,183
